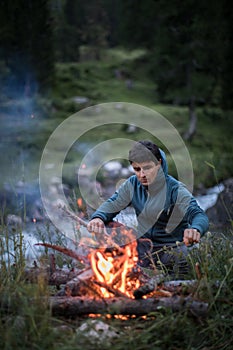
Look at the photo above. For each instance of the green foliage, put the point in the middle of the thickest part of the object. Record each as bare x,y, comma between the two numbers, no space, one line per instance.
98,83
227,70
81,23
187,62
188,47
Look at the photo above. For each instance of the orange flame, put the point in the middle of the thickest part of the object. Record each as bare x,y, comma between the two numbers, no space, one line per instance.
113,268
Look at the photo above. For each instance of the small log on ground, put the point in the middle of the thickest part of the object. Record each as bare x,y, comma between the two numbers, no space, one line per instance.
56,278
71,307
182,286
69,278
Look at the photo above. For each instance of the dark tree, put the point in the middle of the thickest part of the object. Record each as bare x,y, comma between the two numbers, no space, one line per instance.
188,60
81,24
137,23
95,30
69,21
189,49
26,46
112,8
227,49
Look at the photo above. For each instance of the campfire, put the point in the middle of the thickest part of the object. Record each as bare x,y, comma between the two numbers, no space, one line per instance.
110,269
114,272
111,281
115,269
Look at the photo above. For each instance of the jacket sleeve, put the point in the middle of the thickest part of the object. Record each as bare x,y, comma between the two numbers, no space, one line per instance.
117,202
197,217
191,211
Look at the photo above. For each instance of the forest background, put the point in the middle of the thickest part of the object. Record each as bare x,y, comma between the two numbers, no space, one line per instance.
172,58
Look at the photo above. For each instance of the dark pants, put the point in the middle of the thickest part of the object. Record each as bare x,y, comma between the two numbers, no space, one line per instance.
169,258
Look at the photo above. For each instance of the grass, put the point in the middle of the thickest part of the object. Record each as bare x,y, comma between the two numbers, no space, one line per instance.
26,321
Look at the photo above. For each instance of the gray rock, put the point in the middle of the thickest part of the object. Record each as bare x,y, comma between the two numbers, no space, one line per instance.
14,220
97,331
81,99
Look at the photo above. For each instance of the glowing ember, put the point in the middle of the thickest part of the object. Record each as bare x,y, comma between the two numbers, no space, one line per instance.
80,202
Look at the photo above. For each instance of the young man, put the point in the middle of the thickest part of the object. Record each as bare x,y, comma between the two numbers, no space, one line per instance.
169,218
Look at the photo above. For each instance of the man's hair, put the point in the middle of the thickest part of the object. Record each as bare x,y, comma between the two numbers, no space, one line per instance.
144,151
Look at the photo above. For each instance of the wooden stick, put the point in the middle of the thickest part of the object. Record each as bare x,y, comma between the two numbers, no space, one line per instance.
69,252
73,216
105,239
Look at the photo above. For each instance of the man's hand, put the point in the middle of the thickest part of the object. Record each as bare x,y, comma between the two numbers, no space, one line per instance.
97,226
191,235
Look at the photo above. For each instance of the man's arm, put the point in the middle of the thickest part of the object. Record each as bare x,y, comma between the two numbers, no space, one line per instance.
199,223
195,216
111,207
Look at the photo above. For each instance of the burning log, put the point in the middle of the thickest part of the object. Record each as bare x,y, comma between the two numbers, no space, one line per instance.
149,286
72,307
115,271
80,297
159,281
75,280
79,285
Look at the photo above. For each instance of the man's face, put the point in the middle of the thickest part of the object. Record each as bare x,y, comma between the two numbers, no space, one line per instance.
146,172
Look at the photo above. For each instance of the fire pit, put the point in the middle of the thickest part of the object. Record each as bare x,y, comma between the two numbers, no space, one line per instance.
111,282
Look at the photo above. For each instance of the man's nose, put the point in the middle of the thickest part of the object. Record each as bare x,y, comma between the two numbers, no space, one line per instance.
142,173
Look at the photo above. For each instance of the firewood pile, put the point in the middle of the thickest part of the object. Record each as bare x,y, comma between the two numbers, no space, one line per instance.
111,282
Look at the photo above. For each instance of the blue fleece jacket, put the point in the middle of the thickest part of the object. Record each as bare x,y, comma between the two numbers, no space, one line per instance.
164,209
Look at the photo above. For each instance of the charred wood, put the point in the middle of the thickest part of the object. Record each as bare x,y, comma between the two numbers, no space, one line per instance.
55,278
149,286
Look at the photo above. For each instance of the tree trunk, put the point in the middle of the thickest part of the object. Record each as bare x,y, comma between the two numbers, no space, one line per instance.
192,121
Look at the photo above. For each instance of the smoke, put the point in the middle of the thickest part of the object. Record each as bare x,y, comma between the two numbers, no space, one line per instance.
19,157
